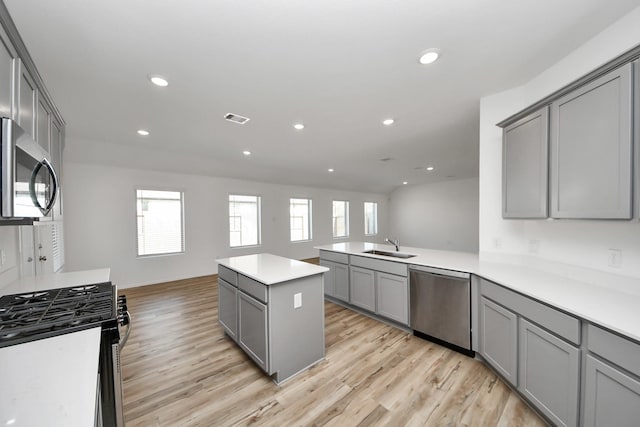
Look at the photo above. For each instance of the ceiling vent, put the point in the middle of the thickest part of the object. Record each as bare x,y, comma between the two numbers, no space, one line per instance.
236,118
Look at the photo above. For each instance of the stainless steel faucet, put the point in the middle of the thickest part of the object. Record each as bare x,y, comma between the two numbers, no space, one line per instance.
396,243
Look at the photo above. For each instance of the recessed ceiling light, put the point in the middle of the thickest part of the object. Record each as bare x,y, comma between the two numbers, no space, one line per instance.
143,132
429,168
246,152
429,56
330,170
158,80
298,126
404,182
388,122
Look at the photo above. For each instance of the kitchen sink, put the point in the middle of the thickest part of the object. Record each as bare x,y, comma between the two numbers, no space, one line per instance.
389,254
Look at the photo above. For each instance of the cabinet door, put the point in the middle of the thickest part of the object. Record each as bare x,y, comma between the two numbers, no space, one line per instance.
228,308
499,339
341,284
393,299
549,374
329,277
612,398
252,329
43,119
7,76
56,160
363,288
525,167
27,114
44,248
591,146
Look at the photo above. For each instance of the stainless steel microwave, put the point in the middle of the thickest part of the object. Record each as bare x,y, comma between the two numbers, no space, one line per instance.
29,184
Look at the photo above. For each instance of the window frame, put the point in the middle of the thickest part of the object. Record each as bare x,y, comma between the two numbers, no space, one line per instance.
309,222
346,219
182,220
259,220
364,204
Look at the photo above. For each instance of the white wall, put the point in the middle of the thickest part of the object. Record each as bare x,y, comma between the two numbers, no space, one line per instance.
100,221
441,215
583,243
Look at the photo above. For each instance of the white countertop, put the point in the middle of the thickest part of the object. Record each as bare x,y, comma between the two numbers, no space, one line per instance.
56,281
50,382
271,269
605,299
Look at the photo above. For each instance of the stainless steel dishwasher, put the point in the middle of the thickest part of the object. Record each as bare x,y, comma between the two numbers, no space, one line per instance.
441,306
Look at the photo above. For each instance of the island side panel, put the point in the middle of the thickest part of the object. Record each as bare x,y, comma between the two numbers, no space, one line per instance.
296,334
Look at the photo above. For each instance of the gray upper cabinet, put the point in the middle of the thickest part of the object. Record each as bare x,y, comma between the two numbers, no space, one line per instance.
591,149
7,76
525,164
27,113
43,120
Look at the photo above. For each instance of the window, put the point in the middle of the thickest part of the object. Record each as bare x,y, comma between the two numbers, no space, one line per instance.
370,218
160,224
244,221
340,218
300,217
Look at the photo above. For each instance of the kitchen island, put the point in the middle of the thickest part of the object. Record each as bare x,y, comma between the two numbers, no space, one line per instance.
273,308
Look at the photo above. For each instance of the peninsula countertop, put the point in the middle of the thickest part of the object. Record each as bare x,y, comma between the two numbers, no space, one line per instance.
600,297
271,269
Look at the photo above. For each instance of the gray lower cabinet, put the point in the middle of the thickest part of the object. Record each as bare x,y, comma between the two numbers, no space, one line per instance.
341,284
591,149
392,297
362,288
252,328
336,280
329,277
549,372
228,308
498,342
525,165
612,397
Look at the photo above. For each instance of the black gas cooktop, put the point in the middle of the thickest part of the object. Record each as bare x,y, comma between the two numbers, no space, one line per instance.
43,314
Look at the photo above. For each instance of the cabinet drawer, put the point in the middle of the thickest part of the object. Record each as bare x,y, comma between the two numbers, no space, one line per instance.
614,348
253,288
227,274
559,323
397,268
335,257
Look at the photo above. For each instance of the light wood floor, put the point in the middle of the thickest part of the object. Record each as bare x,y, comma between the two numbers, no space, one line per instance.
181,370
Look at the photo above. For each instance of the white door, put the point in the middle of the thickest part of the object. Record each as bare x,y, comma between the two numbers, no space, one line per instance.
44,249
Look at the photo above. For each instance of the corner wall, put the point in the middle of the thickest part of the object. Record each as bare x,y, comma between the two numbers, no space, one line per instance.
443,215
100,221
584,243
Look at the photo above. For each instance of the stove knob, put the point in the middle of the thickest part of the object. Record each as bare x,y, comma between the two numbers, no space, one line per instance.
122,298
122,308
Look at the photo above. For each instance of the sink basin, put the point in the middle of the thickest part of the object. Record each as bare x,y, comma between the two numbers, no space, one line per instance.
389,254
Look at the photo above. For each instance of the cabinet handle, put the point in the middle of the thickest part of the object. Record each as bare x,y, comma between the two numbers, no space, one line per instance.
42,258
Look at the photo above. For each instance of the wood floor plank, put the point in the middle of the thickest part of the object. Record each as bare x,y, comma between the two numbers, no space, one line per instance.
180,369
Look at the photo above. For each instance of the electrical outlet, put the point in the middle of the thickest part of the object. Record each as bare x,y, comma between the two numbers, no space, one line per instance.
297,300
497,243
615,258
534,246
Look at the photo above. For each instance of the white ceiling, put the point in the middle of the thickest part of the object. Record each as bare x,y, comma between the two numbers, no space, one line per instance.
338,66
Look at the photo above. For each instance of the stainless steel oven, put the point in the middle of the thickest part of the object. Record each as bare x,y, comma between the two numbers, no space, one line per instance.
29,184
